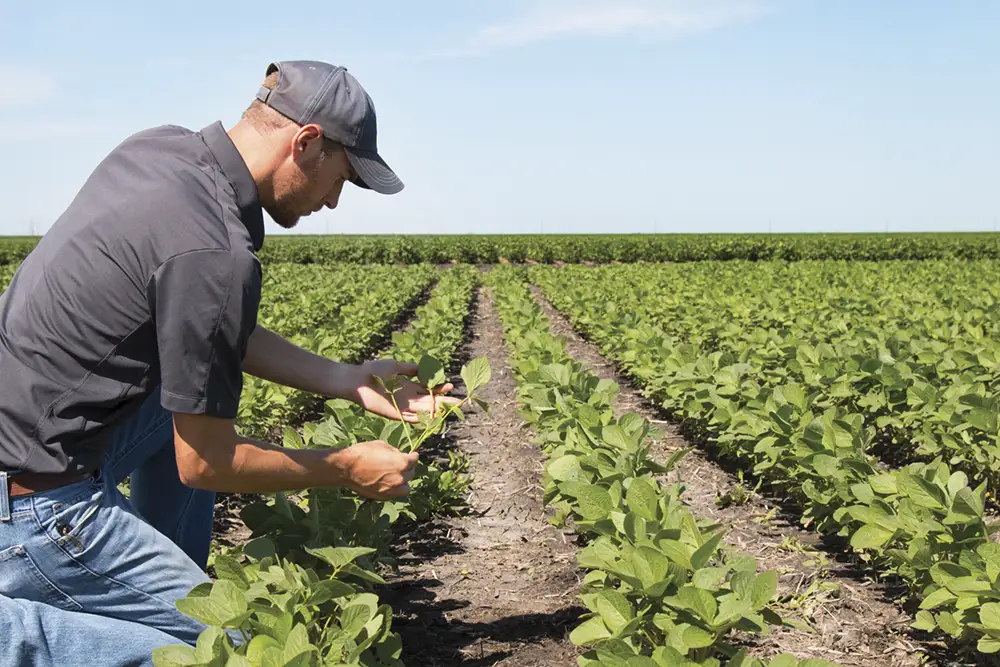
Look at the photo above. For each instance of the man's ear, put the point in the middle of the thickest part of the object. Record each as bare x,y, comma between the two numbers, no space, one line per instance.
307,142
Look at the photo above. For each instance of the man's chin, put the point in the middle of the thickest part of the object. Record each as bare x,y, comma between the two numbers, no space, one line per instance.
285,219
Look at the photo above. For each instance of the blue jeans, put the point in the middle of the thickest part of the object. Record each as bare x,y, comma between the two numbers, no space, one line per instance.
89,577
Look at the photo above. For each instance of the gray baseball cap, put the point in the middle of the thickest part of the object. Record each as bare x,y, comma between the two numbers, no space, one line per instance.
309,91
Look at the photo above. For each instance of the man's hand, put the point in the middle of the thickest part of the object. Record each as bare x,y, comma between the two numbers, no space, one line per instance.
410,396
376,469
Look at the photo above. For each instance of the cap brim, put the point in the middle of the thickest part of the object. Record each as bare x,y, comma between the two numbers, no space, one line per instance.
373,172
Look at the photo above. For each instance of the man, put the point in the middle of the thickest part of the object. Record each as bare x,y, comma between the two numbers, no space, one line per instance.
123,339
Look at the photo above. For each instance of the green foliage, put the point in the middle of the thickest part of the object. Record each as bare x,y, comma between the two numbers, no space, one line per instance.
301,591
806,373
660,589
342,312
548,248
267,612
6,273
601,248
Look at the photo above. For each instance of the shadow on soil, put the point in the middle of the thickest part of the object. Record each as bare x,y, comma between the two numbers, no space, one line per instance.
431,639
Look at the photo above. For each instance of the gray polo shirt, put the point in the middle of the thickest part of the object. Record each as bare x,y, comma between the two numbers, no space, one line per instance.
149,278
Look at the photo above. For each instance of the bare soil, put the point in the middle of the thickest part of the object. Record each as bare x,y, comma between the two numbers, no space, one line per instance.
855,620
498,585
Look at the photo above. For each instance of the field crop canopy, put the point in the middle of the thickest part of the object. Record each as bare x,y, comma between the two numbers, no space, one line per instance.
852,380
600,248
864,392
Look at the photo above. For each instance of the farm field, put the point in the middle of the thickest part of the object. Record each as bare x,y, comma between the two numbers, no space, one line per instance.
599,248
702,463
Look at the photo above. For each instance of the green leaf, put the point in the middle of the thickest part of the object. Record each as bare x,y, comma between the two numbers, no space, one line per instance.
642,498
227,567
925,621
988,645
213,644
430,371
695,637
677,552
989,615
615,609
765,586
589,631
338,557
291,438
870,537
883,483
983,419
700,601
225,606
595,502
236,660
297,644
921,492
783,660
650,565
990,553
615,435
937,598
704,553
957,482
174,656
357,614
260,548
946,621
566,469
325,591
259,645
476,373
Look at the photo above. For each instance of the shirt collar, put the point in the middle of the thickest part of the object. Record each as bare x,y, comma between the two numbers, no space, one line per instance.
236,171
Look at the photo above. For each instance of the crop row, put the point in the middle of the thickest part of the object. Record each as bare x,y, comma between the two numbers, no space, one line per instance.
546,248
342,313
911,346
301,591
924,522
660,589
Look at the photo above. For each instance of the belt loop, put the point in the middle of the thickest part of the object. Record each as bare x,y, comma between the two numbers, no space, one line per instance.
4,498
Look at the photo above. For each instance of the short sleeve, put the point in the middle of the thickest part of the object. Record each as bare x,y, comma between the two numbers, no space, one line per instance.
204,308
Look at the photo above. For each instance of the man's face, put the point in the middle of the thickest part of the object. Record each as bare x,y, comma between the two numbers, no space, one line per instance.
312,177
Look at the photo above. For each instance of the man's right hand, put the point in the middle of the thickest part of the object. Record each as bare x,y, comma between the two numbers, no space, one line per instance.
376,469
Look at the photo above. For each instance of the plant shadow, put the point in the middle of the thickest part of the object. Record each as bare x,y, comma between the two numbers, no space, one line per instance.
430,638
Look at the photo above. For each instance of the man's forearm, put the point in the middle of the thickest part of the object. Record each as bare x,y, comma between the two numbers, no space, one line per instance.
210,454
276,359
259,467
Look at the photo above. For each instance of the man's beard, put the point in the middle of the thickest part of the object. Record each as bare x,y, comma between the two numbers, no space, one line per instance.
284,214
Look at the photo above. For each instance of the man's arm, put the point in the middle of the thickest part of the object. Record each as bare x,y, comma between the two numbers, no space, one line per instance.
273,358
212,455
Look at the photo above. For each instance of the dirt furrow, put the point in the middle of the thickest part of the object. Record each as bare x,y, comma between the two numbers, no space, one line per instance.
497,586
854,622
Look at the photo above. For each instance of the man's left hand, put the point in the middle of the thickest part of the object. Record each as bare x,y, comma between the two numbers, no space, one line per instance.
411,397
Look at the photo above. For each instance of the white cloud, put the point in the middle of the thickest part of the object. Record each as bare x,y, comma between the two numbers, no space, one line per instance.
554,19
24,86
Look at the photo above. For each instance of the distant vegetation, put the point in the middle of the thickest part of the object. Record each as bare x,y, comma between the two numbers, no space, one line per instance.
494,249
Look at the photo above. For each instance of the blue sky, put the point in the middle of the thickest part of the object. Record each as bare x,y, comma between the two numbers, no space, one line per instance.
549,115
